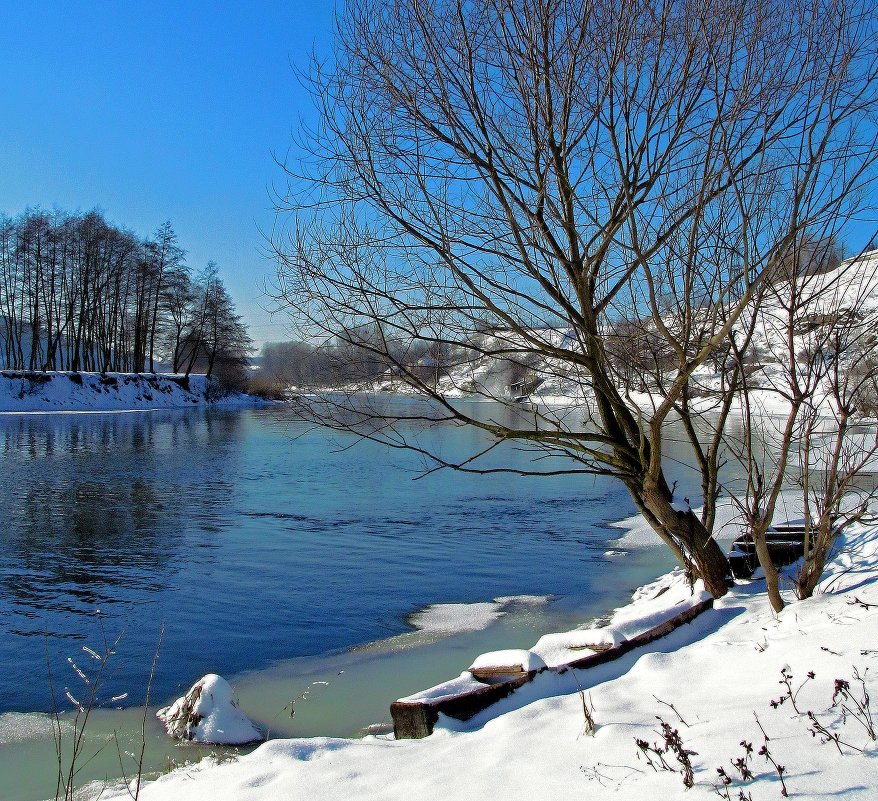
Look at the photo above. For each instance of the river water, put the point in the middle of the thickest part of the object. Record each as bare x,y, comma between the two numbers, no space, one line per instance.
287,558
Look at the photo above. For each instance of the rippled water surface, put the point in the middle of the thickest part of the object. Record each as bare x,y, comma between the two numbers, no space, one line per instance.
253,538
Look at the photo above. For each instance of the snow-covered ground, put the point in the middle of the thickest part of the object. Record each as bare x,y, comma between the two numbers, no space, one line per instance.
24,391
719,682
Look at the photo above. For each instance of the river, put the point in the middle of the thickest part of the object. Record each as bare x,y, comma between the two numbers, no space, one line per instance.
289,559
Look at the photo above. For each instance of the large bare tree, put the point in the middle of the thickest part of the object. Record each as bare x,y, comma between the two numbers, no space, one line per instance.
522,179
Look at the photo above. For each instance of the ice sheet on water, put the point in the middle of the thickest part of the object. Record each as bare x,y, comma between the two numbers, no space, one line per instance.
17,727
459,618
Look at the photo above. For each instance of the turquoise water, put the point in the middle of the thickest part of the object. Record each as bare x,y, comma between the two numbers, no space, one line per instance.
270,552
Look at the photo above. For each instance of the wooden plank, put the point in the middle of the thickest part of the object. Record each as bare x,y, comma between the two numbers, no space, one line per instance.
663,629
412,721
783,549
416,718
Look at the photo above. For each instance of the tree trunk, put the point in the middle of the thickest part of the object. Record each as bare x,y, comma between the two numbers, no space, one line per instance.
691,542
815,560
772,578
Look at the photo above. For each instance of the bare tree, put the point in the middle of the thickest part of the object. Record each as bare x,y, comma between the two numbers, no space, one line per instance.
545,170
813,325
77,292
164,256
217,335
178,299
836,450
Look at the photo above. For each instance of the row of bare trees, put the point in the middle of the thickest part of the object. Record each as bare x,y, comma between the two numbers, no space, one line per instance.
79,293
351,359
607,168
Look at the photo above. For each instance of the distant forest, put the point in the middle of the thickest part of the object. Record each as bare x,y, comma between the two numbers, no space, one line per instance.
80,293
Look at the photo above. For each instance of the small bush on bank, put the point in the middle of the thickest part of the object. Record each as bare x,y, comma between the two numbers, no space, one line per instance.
269,389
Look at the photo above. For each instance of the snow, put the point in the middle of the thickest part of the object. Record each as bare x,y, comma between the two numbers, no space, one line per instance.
523,600
456,618
464,683
657,603
459,618
209,713
717,674
22,726
510,660
653,604
32,392
563,647
729,523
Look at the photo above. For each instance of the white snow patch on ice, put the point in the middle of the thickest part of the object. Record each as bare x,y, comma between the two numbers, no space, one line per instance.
17,727
524,600
457,618
638,533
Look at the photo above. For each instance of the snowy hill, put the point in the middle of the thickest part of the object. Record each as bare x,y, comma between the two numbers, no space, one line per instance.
505,365
502,365
834,316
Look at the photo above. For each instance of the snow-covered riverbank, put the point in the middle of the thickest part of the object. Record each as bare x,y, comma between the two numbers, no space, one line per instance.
28,391
724,675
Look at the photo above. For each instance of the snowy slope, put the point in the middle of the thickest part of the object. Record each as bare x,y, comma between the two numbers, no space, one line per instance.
720,673
504,364
22,391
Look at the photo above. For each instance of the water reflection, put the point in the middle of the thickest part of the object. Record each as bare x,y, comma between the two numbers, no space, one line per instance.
95,510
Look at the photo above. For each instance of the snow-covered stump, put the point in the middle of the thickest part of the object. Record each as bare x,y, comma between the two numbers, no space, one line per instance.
505,665
209,713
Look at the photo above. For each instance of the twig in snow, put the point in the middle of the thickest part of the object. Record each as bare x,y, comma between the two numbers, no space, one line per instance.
765,751
859,709
857,602
673,709
673,743
817,729
790,695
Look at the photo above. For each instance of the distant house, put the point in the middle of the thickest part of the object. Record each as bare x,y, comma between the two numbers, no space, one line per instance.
526,386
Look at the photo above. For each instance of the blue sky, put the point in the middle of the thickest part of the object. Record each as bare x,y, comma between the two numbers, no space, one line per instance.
163,110
160,110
